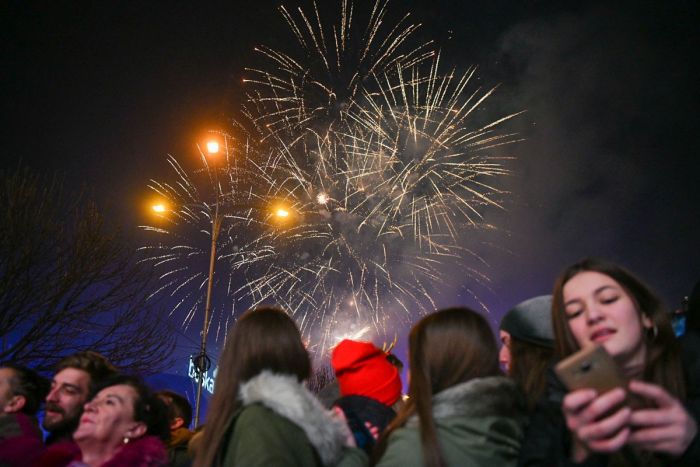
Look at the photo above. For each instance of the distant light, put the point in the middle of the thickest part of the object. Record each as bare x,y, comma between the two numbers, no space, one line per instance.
212,147
322,198
158,207
282,213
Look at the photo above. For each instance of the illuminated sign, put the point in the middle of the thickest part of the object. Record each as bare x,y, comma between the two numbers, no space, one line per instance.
207,381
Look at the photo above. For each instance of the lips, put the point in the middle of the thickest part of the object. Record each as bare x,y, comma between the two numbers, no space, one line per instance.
53,409
53,414
601,335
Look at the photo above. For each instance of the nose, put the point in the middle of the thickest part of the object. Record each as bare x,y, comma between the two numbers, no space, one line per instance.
89,407
504,357
593,313
52,396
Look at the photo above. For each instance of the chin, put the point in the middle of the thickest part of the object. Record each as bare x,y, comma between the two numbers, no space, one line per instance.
611,348
80,434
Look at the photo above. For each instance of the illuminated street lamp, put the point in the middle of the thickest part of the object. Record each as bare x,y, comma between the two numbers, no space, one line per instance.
202,361
280,212
212,147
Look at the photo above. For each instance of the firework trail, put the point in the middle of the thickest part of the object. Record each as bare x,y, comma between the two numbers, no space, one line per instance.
181,237
381,164
309,88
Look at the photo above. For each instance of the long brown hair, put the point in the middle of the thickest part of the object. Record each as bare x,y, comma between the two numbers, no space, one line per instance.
663,363
264,338
446,348
528,367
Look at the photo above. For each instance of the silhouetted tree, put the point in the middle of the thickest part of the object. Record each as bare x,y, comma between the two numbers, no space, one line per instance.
68,282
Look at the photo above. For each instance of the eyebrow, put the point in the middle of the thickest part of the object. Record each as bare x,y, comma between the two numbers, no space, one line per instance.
115,396
64,384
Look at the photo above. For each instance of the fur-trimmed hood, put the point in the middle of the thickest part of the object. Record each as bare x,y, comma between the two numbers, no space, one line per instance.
477,423
479,397
285,396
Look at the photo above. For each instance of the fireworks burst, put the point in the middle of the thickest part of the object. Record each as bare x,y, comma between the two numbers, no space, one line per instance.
357,175
310,88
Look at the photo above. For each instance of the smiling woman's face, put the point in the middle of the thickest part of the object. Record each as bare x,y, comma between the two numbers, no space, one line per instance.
109,417
600,311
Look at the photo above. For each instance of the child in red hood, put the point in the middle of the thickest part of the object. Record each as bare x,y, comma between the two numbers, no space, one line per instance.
369,386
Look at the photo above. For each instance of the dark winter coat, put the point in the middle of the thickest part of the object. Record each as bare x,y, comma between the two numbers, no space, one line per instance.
478,423
147,451
548,441
360,410
282,424
20,439
177,447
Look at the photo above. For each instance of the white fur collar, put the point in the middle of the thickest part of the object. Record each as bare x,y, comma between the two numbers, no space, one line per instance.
494,395
285,396
479,397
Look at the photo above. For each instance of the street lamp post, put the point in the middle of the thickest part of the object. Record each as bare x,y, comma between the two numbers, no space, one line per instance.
203,362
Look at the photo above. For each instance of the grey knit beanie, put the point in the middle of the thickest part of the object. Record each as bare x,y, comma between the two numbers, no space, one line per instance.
531,321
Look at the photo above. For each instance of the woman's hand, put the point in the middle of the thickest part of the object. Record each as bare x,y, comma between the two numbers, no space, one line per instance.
667,428
598,423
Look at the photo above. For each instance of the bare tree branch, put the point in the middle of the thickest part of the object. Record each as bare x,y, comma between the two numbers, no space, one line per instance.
68,282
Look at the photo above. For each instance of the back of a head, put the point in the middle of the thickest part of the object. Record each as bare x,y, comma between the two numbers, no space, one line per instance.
29,384
531,345
264,338
363,369
178,406
93,363
446,348
531,321
452,346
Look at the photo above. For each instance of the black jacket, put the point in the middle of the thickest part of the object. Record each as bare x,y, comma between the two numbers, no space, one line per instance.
548,442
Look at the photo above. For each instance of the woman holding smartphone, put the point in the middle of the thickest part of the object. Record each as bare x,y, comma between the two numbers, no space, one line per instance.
596,302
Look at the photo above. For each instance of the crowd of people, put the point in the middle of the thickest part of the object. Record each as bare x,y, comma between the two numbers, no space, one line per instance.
469,403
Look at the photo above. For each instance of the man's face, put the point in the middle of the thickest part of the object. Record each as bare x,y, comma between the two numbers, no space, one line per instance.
6,374
64,404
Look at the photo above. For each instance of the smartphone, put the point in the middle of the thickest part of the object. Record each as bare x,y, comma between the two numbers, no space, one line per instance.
591,367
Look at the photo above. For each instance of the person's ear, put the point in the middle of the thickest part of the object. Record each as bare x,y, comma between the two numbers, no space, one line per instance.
136,431
647,322
177,422
15,404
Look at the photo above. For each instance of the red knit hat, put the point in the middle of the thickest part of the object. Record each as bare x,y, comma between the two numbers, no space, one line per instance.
363,370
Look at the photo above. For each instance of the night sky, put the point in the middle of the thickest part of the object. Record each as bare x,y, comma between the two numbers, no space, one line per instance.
103,91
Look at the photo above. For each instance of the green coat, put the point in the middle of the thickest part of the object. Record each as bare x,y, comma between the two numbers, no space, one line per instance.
479,423
282,424
261,437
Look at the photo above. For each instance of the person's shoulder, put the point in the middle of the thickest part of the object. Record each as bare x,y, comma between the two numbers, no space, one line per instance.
404,448
257,413
260,418
58,454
